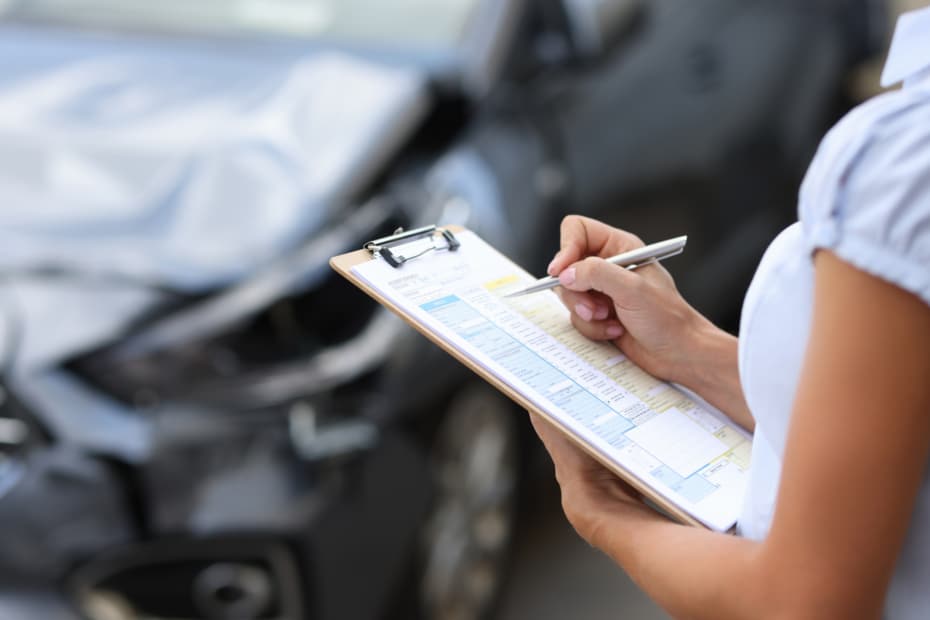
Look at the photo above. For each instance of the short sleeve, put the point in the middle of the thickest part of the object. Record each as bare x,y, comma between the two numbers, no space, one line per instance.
867,194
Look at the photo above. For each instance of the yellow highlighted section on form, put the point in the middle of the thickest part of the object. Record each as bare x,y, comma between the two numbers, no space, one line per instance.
493,285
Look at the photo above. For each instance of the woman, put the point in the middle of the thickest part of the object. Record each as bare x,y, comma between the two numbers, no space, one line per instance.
835,337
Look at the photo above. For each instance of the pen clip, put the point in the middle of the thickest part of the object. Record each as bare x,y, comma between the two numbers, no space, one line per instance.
391,247
654,259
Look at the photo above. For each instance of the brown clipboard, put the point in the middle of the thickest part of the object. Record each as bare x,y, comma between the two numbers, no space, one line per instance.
343,265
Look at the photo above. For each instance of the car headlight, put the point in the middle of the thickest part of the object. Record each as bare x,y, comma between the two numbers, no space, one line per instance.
17,436
17,431
13,432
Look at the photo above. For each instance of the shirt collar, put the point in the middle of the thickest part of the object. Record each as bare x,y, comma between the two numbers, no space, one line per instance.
909,56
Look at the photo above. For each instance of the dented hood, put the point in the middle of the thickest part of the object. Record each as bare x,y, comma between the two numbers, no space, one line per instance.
190,165
133,165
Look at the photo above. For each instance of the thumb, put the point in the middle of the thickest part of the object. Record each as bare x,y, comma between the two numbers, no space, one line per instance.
598,275
565,257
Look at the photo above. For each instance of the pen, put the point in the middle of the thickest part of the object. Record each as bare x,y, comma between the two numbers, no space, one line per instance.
630,260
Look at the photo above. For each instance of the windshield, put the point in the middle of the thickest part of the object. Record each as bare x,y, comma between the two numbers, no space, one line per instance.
397,23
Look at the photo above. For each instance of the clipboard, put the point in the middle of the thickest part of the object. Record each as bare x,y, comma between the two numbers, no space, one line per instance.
404,246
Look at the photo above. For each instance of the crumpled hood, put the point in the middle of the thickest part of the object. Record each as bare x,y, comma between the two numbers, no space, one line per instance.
187,166
130,164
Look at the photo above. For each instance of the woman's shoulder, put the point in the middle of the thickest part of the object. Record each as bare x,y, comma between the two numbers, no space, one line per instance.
866,196
886,120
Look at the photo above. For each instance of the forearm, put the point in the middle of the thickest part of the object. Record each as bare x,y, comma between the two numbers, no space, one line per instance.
710,368
691,572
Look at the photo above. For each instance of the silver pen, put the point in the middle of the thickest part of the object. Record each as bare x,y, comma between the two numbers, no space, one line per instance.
630,260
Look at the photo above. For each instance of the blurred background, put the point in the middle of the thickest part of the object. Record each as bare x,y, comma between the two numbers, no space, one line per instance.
199,420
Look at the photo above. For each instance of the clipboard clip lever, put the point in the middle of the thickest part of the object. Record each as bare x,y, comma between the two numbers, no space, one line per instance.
417,242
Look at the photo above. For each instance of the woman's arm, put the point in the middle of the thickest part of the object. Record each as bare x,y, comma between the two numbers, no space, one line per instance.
644,314
712,371
856,453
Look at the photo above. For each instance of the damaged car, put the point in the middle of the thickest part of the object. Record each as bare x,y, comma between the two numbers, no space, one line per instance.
198,418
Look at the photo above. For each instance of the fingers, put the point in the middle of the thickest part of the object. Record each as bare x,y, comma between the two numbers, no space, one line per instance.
582,236
596,274
588,306
543,428
569,460
550,436
610,329
592,314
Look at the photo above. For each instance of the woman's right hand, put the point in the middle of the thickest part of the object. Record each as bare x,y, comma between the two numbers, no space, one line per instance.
641,311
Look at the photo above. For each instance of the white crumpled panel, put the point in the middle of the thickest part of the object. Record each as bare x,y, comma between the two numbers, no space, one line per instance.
189,169
184,166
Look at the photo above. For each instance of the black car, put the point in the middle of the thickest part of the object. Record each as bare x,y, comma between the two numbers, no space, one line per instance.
256,439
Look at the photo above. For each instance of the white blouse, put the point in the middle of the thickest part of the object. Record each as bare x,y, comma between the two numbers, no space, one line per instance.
866,198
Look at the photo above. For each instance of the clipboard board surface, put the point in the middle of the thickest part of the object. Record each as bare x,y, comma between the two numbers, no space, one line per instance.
344,265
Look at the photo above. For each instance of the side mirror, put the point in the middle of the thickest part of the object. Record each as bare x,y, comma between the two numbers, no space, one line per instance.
596,26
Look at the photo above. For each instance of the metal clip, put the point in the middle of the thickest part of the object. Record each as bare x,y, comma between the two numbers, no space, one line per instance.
420,240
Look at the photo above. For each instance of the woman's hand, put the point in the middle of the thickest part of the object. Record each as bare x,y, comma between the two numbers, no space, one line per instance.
593,498
640,310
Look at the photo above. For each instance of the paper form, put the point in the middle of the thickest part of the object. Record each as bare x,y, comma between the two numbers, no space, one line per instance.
692,456
677,441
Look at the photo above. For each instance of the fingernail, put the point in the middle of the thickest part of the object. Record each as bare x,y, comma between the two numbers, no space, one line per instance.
567,277
614,331
601,312
584,312
551,268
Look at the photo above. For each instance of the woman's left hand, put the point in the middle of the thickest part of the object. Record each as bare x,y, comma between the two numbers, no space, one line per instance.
592,495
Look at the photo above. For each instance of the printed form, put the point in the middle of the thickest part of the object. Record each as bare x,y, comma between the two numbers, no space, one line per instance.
689,454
